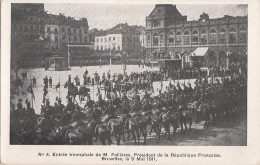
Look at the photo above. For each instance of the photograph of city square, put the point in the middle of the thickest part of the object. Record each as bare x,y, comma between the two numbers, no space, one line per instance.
128,74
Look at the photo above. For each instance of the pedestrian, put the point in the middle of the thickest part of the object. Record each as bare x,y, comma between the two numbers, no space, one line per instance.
50,82
34,82
86,72
69,79
45,82
108,74
25,75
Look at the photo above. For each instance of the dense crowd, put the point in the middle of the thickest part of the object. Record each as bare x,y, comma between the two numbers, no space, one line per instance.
209,101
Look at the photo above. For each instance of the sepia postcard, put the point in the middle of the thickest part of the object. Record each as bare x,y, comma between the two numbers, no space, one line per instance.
130,82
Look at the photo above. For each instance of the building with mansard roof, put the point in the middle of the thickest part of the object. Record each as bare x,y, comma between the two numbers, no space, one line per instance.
36,35
168,33
121,38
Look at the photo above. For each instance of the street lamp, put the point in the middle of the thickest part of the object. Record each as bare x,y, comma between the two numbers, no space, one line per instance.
110,61
68,51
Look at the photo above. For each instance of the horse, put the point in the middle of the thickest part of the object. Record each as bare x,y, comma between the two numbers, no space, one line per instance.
132,125
83,92
116,126
103,132
88,131
204,108
155,122
74,137
194,106
143,121
72,91
184,116
168,118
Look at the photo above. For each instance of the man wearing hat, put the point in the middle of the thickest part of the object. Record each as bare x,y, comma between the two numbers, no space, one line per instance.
69,79
97,113
124,97
109,113
146,95
29,111
136,96
50,82
45,81
20,108
86,72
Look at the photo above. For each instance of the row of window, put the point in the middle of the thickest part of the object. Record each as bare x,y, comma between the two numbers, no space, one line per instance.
128,39
27,28
114,47
75,30
69,30
187,38
104,48
31,20
105,39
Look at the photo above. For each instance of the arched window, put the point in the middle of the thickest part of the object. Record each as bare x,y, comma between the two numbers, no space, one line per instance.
195,37
204,37
242,34
171,38
222,36
155,39
186,38
178,38
148,38
161,37
232,35
97,48
213,36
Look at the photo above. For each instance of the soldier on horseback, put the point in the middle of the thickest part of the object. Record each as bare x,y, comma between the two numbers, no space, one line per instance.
59,107
109,113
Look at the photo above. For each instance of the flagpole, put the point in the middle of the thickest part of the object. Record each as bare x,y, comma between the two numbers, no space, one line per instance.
59,89
93,92
31,91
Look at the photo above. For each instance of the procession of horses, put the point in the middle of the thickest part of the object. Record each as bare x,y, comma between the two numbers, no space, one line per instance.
129,108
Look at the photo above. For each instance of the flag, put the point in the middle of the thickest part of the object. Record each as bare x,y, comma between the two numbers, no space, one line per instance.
40,38
30,90
57,86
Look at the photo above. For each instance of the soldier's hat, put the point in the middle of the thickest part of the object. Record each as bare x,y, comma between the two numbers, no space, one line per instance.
20,100
28,103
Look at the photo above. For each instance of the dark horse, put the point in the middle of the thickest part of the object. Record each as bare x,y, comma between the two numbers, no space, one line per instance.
73,91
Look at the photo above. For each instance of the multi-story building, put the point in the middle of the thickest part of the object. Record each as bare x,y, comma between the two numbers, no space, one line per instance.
27,34
168,33
121,38
37,35
142,39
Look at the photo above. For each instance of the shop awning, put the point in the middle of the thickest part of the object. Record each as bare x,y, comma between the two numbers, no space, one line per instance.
200,51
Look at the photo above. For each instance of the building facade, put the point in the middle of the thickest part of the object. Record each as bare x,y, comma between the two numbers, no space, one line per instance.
36,35
168,33
120,39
